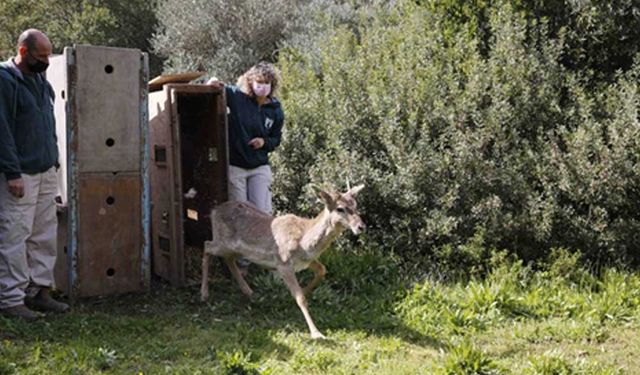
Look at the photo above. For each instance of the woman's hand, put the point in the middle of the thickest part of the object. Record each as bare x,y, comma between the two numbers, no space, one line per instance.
256,143
215,83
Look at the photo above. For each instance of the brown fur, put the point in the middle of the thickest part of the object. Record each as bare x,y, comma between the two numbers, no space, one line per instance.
286,243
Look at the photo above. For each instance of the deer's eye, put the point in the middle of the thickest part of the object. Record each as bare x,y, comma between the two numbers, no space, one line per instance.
340,209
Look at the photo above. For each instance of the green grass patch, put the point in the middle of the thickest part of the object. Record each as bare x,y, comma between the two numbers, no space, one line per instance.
515,320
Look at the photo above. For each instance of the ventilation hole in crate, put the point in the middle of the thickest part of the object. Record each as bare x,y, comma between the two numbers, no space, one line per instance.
111,272
108,69
160,154
111,201
110,142
164,244
62,94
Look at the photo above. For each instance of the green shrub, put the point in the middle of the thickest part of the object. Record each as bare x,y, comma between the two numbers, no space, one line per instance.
464,359
113,23
512,292
225,38
236,363
463,149
551,363
475,125
562,264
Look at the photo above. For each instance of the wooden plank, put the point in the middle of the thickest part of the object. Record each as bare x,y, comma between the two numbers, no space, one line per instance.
161,170
157,83
107,104
110,235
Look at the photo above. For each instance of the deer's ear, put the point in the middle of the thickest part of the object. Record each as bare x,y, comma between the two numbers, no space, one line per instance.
355,190
328,199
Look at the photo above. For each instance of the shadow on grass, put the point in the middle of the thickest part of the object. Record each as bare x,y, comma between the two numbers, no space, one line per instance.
169,324
358,305
165,325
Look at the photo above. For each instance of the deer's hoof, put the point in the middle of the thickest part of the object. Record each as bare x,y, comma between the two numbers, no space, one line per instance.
318,336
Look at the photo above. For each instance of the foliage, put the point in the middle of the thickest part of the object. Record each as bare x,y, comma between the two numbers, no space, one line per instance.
457,145
117,23
600,37
514,291
465,359
226,38
237,363
550,363
222,37
517,320
476,125
105,358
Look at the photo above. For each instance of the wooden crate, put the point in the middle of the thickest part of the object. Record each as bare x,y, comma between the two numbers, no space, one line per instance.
102,127
188,142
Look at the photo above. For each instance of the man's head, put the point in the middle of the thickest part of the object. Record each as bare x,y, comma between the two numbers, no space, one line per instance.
34,49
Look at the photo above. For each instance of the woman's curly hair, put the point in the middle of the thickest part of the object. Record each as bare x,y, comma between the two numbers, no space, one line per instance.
262,70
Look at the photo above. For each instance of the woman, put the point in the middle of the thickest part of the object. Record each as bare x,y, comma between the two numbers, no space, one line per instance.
255,128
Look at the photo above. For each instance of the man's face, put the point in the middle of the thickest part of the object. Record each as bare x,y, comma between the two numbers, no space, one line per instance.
37,57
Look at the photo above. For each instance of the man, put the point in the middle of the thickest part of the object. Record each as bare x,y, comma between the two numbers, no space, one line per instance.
28,157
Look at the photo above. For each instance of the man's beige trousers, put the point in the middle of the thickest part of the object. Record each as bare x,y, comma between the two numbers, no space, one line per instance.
28,230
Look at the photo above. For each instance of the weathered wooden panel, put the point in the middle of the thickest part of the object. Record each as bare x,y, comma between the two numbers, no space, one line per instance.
57,76
107,103
61,269
109,236
164,236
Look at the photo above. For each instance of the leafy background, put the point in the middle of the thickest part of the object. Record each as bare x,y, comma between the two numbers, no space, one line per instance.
474,124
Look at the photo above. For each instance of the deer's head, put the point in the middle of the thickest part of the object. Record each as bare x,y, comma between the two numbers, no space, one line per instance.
343,209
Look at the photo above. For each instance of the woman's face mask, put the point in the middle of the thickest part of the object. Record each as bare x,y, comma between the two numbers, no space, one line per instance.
261,89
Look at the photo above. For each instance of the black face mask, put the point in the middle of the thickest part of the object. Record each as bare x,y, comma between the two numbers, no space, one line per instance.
38,66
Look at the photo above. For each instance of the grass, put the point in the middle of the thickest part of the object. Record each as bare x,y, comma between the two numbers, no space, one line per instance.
513,321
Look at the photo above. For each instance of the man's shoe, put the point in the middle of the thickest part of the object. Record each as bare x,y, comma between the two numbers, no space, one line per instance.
44,302
22,312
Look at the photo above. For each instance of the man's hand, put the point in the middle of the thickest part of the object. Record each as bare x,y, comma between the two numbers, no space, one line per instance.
16,187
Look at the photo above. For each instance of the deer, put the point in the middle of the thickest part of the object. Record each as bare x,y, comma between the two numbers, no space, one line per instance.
285,243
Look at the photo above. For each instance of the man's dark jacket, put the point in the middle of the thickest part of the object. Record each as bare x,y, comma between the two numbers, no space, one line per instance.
27,123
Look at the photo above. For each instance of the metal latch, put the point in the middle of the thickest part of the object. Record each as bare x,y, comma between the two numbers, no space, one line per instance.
165,217
213,154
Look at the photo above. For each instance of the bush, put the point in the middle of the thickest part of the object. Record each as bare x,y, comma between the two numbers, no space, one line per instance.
67,22
222,37
459,146
226,38
474,125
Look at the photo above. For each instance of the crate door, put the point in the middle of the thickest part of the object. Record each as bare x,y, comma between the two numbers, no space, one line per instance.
164,225
200,115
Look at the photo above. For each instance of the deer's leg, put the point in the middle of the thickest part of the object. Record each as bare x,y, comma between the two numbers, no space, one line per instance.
319,270
233,267
204,288
289,277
